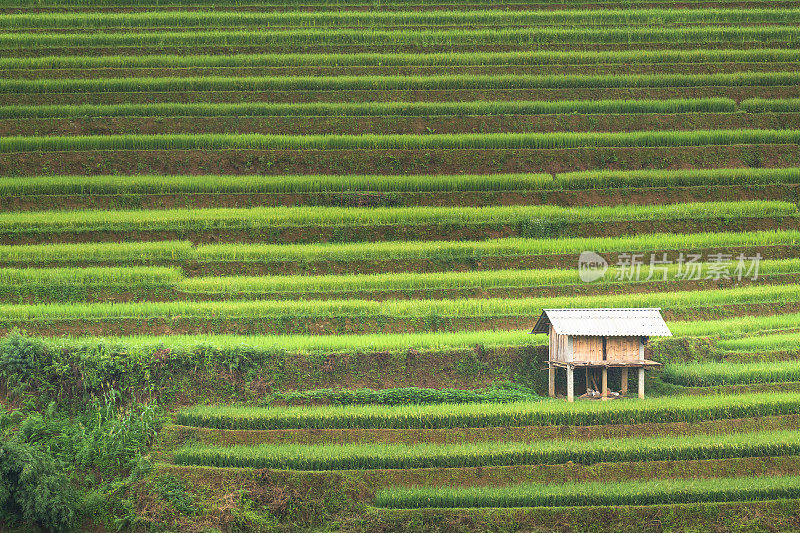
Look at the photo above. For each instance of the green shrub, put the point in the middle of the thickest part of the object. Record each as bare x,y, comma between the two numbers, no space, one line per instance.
20,355
683,349
35,488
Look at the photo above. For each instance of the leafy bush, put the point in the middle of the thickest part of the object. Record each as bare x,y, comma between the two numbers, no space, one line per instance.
20,355
35,488
684,349
173,490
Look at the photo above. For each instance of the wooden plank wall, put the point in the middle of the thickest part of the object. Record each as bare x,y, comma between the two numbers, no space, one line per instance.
623,348
588,349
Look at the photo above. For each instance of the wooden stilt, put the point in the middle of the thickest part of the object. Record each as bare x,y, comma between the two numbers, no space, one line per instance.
641,383
551,380
587,379
570,385
624,379
605,383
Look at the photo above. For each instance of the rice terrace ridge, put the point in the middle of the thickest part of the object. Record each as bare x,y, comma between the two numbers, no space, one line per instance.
376,266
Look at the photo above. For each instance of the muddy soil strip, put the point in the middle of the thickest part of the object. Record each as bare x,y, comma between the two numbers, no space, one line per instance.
393,162
567,198
407,231
386,125
737,93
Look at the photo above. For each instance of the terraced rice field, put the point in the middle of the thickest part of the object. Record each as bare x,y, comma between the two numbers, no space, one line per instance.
334,222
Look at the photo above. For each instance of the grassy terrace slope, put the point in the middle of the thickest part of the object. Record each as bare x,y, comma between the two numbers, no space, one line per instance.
277,262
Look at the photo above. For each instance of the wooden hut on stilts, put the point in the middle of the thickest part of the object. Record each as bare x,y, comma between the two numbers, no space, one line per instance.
599,339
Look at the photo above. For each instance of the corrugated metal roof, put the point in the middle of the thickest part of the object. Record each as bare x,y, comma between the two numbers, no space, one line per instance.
608,322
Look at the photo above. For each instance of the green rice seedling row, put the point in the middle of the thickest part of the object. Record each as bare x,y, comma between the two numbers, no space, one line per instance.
56,284
303,224
787,34
708,374
376,109
405,83
657,491
735,92
294,4
406,396
166,70
675,302
296,285
752,326
545,412
183,252
561,140
366,19
374,456
315,344
789,341
545,58
90,277
399,183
